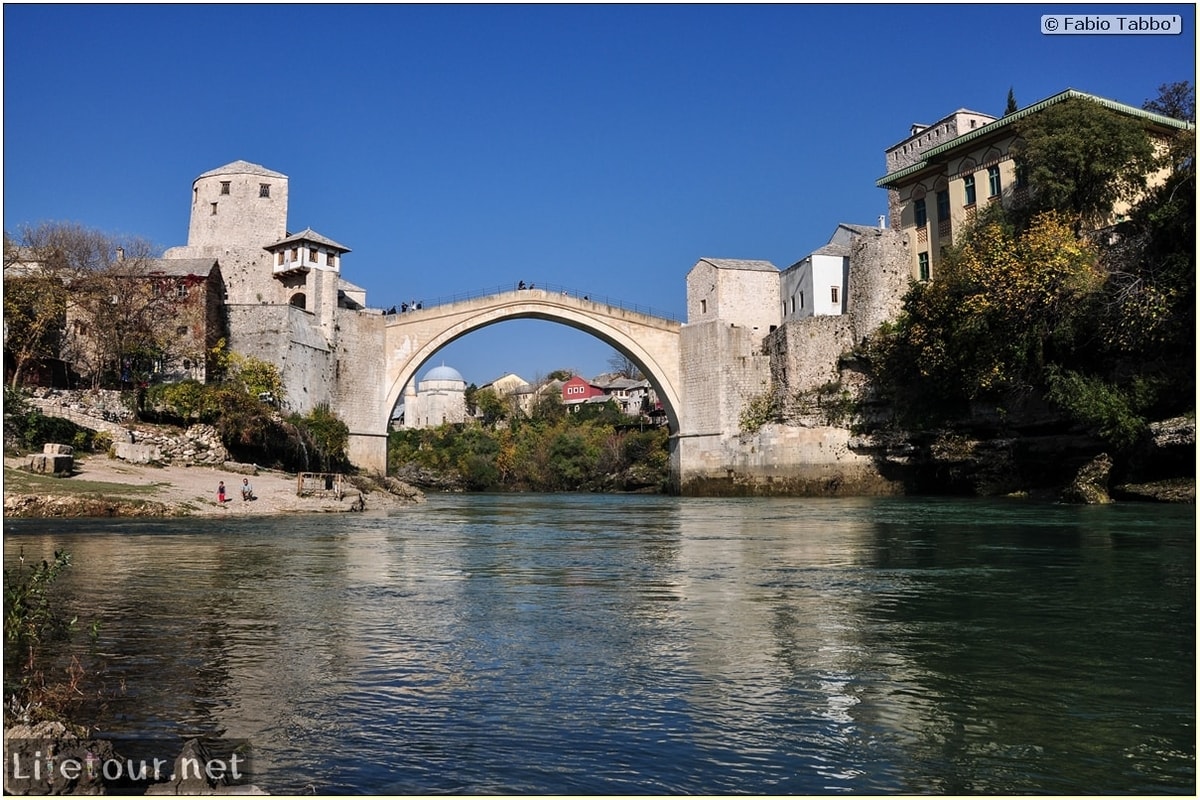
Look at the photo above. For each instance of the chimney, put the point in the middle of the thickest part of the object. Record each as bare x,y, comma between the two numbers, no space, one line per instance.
882,217
120,254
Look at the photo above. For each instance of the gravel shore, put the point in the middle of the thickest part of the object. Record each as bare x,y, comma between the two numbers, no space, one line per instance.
182,491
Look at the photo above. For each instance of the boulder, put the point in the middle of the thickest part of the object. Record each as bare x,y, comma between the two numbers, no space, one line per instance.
1090,486
49,464
138,453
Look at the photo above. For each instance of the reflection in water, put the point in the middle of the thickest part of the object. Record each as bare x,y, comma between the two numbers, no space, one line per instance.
564,644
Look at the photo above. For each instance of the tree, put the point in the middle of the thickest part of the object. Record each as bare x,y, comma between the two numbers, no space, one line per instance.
256,378
491,406
1081,158
95,288
1176,100
1011,106
547,407
622,365
469,399
35,309
1005,304
124,327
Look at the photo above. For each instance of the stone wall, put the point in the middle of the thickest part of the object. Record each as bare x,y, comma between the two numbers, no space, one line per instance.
286,337
722,367
102,410
199,445
360,387
880,275
804,353
785,460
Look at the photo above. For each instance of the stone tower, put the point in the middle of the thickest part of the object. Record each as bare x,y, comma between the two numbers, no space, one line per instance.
239,204
238,209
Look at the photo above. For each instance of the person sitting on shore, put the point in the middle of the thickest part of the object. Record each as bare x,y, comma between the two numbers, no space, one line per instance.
247,490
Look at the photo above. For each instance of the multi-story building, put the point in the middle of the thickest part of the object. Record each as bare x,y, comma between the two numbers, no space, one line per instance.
942,174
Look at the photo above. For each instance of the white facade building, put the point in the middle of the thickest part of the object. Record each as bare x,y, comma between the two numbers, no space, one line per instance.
440,398
816,285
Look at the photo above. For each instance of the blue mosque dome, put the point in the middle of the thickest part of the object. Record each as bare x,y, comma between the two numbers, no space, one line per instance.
444,373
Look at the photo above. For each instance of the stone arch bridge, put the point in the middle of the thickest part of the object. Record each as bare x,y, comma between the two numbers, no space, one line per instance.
412,338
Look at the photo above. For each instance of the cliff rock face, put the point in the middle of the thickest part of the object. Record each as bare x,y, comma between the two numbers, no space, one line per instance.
1045,458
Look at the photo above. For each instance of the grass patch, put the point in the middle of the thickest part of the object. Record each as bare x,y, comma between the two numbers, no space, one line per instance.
18,481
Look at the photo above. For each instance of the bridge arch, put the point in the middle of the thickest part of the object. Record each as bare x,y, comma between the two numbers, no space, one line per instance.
651,343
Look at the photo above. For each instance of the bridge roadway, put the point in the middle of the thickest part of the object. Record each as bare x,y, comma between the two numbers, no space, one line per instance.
651,342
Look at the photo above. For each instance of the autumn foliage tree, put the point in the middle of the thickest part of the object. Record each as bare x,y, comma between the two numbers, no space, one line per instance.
1005,301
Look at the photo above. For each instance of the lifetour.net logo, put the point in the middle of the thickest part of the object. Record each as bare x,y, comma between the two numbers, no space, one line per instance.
49,767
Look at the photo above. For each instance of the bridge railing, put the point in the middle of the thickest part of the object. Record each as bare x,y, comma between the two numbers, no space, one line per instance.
420,303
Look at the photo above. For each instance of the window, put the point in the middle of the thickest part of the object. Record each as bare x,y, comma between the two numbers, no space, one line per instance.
703,306
793,305
969,189
943,205
181,330
312,255
802,299
994,181
920,213
833,294
923,265
295,254
1022,178
264,190
181,290
279,258
214,209
329,259
224,187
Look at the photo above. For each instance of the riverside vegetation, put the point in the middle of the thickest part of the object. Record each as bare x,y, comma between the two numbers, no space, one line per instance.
550,450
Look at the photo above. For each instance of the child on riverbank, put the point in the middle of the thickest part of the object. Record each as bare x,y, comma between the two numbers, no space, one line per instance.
221,493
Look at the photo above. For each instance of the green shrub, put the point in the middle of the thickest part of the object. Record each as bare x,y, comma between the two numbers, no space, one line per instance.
327,435
758,411
1104,408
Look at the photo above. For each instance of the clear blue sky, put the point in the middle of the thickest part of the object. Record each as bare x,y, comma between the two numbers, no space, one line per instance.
453,148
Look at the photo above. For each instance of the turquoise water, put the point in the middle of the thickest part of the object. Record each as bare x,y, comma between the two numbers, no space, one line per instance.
610,644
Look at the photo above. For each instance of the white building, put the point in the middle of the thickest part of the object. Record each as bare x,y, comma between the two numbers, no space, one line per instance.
439,398
816,285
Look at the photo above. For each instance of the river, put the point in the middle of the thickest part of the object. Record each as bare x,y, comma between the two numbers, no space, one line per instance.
637,644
